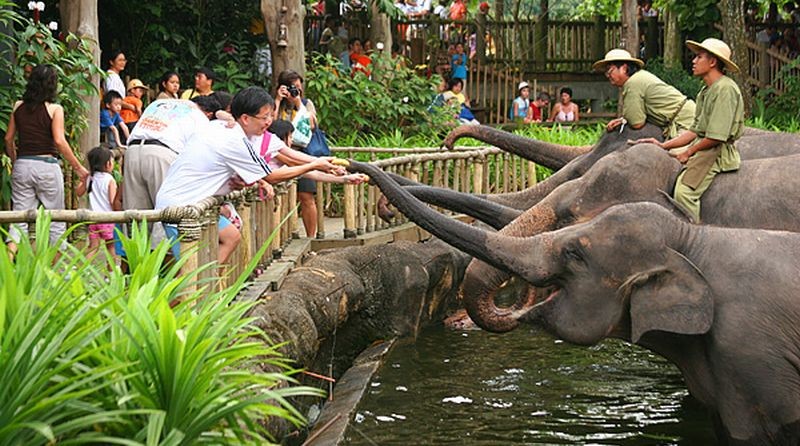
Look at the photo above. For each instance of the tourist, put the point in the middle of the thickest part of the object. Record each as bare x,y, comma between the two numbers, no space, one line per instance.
203,83
113,81
292,105
645,97
217,153
102,189
539,107
565,110
718,123
520,108
136,90
458,65
158,138
111,124
34,139
169,85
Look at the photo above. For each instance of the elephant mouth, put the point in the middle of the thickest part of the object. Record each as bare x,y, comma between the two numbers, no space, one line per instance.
530,305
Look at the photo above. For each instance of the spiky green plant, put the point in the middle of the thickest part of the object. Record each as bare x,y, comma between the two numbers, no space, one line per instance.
95,357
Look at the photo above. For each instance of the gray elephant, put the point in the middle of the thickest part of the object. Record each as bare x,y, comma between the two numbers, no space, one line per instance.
762,194
572,162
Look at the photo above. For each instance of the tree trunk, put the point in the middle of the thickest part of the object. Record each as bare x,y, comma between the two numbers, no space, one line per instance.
499,10
733,25
630,28
80,17
286,42
673,49
517,48
381,27
540,35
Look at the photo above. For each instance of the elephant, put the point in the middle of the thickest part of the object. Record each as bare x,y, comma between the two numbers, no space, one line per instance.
572,162
762,194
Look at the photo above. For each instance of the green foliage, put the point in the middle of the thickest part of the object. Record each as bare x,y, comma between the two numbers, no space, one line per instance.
32,45
780,109
183,35
696,18
675,76
88,355
397,99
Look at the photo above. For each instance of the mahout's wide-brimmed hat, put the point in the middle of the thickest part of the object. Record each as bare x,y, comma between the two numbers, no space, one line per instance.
616,55
716,47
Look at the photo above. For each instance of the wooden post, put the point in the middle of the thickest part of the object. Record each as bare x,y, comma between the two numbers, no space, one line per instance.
540,34
294,220
457,174
477,175
651,41
247,245
370,208
598,42
763,66
349,211
320,199
630,27
275,224
480,38
531,173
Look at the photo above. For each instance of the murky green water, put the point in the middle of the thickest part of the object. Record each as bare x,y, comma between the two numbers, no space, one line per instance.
524,387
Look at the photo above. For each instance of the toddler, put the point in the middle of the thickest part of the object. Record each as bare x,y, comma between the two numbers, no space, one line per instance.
136,90
111,123
102,189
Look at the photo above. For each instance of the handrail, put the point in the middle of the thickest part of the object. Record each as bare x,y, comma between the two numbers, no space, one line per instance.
466,169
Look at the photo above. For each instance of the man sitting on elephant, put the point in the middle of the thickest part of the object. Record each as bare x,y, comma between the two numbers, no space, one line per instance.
645,97
719,121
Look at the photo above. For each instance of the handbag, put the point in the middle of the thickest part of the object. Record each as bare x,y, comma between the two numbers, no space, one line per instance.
318,146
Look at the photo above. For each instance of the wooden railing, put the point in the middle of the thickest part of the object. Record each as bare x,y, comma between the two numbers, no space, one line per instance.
769,68
479,170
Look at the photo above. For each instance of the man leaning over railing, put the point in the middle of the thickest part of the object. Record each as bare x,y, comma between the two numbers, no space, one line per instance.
217,154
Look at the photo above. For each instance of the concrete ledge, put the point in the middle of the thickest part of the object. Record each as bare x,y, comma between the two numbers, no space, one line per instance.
336,415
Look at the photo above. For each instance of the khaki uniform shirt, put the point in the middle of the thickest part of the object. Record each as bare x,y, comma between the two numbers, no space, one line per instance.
720,116
645,97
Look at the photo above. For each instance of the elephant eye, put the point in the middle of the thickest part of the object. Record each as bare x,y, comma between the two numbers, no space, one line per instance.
573,253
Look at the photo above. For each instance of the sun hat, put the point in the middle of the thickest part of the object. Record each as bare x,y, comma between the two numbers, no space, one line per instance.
136,83
616,55
716,47
522,85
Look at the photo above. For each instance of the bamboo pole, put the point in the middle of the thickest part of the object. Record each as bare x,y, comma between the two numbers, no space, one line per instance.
531,173
371,208
349,211
477,178
294,220
320,200
275,224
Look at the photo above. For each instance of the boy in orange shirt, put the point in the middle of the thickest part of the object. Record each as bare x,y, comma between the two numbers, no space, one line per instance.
136,90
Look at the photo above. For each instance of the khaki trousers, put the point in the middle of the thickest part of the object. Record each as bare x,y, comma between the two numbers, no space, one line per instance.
690,198
145,168
34,183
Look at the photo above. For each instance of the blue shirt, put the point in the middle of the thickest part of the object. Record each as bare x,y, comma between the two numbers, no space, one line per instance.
108,120
522,107
458,66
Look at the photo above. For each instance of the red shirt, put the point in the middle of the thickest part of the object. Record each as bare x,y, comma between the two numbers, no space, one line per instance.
536,112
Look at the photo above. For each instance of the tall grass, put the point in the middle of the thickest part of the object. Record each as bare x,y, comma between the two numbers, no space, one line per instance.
88,356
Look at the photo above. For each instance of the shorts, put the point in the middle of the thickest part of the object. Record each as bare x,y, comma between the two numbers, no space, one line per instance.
103,231
172,234
306,185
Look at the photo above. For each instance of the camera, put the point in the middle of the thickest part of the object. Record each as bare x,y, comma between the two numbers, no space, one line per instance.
293,90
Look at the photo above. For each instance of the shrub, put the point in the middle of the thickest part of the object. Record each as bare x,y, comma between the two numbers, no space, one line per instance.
781,109
92,356
675,76
400,99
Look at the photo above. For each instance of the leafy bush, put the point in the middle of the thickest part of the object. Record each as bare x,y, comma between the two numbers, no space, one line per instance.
780,109
675,76
35,44
92,356
397,99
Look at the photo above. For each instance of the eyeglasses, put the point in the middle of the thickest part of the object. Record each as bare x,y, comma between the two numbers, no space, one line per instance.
609,70
263,118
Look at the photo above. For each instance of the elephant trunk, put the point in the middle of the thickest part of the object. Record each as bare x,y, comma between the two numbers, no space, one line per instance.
553,156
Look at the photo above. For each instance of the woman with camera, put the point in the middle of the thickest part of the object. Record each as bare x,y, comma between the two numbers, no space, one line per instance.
290,105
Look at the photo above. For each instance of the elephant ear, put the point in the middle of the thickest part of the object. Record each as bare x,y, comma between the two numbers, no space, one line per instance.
675,298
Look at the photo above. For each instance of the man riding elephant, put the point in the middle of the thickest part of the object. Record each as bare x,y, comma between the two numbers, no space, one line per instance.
719,121
645,97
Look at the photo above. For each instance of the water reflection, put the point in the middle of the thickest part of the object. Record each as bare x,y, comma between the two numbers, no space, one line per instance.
523,387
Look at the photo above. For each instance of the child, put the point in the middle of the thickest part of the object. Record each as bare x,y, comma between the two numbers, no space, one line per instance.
110,121
520,112
136,90
102,189
458,65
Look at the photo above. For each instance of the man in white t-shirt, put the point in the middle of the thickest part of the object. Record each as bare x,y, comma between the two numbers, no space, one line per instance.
159,136
217,153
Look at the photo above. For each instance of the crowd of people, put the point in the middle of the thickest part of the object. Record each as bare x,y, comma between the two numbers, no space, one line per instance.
179,149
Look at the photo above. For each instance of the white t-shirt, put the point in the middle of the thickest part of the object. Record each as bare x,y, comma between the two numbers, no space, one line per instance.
211,158
114,82
274,146
98,197
171,121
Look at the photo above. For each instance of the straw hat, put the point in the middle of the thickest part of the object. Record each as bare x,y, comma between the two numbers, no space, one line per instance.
136,83
716,47
522,85
616,55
